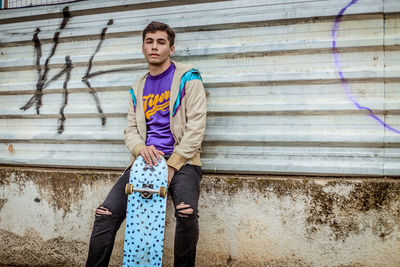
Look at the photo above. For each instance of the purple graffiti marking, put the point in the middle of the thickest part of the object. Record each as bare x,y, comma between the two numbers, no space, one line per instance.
340,72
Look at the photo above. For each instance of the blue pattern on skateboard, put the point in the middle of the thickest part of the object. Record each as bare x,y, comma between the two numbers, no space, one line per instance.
145,218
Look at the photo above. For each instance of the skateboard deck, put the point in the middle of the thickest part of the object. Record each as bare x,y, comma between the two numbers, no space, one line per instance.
145,218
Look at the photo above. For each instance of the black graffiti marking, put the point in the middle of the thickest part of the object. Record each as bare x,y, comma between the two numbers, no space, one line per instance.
67,69
85,78
42,82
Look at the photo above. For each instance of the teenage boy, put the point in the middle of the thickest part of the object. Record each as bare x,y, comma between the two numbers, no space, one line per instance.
166,117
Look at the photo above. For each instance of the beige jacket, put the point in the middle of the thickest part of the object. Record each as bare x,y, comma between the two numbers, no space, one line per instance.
187,124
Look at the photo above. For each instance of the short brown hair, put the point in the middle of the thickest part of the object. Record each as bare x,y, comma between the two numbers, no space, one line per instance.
159,26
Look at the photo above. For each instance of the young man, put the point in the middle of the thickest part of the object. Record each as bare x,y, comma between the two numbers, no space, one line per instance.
166,117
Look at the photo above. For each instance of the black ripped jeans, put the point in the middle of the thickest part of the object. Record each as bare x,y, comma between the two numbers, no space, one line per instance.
184,188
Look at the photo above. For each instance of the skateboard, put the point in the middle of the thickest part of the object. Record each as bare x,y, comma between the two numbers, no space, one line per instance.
145,217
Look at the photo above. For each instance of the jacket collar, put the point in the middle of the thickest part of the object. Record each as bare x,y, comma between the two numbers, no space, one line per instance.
180,69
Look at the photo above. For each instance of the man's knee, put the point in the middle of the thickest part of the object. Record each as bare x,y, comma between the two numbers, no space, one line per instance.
184,210
102,211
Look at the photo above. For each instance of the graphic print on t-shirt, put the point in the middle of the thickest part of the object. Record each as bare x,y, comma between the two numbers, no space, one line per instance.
156,100
153,103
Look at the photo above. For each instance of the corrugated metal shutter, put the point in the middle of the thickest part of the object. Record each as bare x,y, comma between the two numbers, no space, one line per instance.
275,98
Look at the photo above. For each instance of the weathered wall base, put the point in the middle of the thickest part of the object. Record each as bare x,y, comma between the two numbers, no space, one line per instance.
46,217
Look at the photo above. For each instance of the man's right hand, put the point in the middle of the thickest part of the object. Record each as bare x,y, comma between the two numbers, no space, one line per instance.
151,155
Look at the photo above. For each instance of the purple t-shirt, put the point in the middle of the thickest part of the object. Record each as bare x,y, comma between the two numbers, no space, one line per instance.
156,95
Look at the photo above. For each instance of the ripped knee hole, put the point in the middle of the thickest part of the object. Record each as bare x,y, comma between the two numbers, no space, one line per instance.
184,210
102,211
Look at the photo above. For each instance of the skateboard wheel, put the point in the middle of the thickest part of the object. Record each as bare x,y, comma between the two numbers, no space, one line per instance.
128,189
162,192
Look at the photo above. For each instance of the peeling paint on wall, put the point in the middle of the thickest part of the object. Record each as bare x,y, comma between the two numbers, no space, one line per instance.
244,220
61,191
325,200
306,221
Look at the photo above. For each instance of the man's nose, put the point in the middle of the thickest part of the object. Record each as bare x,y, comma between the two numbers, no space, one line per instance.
154,46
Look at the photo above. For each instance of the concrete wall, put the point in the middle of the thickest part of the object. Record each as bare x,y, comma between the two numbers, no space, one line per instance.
46,217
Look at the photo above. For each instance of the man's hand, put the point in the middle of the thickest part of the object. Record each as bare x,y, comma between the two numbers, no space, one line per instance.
151,155
171,173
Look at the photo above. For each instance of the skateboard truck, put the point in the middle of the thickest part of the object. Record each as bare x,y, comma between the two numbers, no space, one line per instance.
146,191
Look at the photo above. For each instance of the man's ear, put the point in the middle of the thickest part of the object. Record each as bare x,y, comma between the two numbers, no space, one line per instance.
171,50
143,49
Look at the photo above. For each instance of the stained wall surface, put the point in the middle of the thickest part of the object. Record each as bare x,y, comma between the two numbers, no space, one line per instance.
294,87
46,217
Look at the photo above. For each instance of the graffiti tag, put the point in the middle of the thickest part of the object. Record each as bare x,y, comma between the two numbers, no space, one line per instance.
43,80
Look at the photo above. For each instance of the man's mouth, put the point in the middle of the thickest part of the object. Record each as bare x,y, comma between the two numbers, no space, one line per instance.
154,55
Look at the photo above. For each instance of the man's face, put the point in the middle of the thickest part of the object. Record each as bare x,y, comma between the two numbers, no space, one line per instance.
156,48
